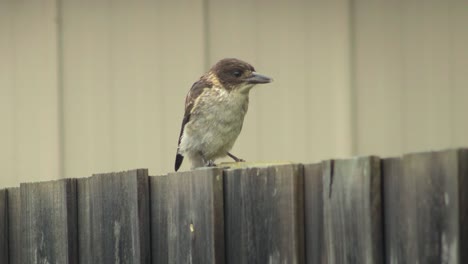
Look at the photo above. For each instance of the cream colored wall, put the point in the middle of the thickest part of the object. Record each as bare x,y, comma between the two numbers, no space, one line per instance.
410,75
304,45
126,69
104,88
29,92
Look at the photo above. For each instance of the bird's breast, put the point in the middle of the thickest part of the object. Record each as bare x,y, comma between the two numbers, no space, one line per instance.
216,121
222,106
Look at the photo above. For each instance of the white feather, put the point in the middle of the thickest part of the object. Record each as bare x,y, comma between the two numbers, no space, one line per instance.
215,123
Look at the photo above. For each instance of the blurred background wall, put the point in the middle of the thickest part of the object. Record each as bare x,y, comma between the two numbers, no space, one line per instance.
96,86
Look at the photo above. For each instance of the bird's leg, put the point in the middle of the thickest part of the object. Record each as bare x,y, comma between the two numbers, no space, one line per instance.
236,159
208,163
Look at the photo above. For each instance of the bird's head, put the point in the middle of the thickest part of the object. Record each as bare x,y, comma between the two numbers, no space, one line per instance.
236,75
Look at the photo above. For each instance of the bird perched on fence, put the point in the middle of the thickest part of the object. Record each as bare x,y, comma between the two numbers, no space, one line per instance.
215,108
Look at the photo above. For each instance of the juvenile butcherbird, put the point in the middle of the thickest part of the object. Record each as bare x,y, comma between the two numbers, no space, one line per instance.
215,108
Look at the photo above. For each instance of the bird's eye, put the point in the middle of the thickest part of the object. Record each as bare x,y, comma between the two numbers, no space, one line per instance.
237,74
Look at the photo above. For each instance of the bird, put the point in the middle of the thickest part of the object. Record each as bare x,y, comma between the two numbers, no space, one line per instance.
215,107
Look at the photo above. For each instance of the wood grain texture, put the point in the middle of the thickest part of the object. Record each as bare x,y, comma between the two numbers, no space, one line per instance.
3,226
113,218
14,228
463,203
48,219
159,207
264,215
353,211
396,195
427,193
313,214
193,220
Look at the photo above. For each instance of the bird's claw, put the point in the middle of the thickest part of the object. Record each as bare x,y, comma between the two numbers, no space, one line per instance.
210,163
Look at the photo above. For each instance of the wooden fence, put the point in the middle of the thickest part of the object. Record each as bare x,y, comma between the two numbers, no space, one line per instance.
412,209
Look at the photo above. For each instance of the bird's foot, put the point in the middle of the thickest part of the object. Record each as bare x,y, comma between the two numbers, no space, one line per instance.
210,163
236,159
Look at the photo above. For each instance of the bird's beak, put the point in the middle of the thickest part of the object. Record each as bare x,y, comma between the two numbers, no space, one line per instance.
256,78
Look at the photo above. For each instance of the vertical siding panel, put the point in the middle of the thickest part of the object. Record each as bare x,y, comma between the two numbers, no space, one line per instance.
459,69
409,59
87,90
305,48
232,32
134,79
36,121
282,116
377,68
7,95
181,36
328,96
157,53
29,43
426,97
135,72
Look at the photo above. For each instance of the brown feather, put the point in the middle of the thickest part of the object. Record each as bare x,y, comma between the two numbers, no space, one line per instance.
195,91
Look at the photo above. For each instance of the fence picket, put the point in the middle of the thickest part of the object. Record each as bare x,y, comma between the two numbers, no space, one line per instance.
352,211
188,211
113,218
48,222
425,207
409,209
264,214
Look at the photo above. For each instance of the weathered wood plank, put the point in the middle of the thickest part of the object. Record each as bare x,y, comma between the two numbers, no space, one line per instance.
159,206
264,214
428,193
353,211
192,230
313,213
396,211
113,218
463,204
14,226
48,219
3,226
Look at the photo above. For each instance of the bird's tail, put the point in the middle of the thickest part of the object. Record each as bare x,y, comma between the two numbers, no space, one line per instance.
178,161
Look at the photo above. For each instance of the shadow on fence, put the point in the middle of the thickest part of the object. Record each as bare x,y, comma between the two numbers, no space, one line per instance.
412,209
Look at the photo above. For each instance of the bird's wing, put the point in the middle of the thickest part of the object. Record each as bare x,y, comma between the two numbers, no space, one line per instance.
195,91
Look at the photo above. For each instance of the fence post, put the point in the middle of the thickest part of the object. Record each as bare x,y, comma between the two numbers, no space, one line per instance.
48,219
264,214
425,207
353,211
187,217
113,218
